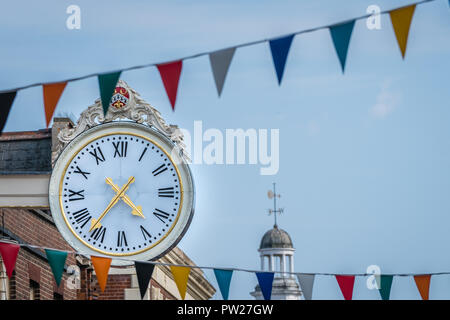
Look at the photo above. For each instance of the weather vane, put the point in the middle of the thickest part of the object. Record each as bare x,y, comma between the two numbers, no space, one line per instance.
272,194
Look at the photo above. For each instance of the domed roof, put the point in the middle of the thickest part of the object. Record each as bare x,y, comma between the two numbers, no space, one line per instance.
276,238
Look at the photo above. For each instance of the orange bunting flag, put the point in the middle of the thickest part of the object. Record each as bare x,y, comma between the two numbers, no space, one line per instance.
401,21
52,93
423,284
101,267
181,276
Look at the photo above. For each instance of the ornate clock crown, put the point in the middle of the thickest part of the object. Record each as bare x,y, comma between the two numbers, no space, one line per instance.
126,103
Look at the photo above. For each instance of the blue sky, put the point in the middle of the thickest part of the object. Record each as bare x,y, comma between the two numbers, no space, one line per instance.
364,156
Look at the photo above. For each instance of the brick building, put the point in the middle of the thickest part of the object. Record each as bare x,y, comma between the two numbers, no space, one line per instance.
25,168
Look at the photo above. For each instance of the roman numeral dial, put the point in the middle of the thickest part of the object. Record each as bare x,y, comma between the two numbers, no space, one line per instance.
166,192
120,148
121,194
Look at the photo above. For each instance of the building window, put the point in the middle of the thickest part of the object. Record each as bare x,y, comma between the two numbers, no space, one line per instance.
12,286
34,290
4,283
57,296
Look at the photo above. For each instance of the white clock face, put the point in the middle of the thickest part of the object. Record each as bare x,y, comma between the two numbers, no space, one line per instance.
121,193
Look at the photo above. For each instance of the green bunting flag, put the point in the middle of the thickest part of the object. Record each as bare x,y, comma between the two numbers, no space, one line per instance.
57,260
107,83
385,286
223,278
341,35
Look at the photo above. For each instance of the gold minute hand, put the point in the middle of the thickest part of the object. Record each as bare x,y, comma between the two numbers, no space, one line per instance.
137,210
95,223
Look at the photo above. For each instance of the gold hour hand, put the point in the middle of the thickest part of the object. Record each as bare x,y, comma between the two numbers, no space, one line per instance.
95,223
137,210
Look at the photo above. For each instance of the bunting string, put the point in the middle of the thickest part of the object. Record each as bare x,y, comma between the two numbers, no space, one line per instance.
144,269
220,60
234,268
155,64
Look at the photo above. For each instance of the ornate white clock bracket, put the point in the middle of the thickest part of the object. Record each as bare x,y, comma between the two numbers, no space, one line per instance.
126,104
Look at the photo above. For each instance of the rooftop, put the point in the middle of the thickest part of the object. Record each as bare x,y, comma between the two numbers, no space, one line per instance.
276,238
27,152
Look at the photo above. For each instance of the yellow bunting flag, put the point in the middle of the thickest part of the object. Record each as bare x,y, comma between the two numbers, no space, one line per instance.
181,276
401,21
101,267
52,93
423,284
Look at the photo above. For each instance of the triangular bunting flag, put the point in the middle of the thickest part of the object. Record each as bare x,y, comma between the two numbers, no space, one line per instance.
220,62
385,286
346,284
306,284
181,276
223,278
52,93
401,21
56,259
280,50
6,101
9,252
170,75
265,280
341,35
101,267
144,271
423,284
107,84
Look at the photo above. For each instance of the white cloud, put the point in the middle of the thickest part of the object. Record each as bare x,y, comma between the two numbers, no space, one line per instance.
313,128
387,101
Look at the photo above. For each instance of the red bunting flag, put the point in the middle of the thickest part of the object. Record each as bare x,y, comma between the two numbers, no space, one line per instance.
170,75
346,284
9,252
423,284
52,93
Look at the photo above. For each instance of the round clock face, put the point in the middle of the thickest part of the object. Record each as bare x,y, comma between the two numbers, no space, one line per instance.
118,189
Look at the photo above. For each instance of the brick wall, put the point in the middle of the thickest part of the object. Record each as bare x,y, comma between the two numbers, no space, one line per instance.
115,288
116,285
34,228
157,292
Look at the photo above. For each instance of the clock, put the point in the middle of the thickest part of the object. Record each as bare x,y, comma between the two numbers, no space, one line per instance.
122,190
